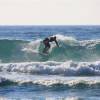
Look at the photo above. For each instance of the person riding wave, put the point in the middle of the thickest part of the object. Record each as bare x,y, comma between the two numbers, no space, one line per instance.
47,45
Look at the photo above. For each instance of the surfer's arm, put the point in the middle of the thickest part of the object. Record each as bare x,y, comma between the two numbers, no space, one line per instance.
56,43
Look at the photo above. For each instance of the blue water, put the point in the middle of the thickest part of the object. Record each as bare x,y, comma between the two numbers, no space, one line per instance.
34,32
70,72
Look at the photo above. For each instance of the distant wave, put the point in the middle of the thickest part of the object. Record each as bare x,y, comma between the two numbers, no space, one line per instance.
68,68
70,49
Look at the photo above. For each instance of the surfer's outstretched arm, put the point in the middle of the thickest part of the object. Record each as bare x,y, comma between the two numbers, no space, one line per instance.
56,43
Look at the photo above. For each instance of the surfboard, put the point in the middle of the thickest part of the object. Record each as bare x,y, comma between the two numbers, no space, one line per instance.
44,54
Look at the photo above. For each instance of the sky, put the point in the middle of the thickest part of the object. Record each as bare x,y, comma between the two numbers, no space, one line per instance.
49,12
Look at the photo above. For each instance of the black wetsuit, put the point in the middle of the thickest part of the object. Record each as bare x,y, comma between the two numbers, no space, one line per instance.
47,41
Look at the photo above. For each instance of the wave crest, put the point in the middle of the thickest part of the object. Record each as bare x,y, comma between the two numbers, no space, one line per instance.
68,68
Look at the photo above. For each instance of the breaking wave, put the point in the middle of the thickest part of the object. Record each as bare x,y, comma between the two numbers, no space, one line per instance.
70,49
52,84
68,68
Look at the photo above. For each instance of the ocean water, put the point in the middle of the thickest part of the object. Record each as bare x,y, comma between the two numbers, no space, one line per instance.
70,72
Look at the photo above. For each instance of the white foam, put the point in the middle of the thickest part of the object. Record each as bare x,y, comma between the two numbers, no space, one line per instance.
68,68
62,37
33,46
89,43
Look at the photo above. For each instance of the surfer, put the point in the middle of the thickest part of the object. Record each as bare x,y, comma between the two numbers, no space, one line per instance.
47,41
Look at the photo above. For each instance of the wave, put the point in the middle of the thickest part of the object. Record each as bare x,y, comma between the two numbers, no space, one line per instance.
68,68
52,84
63,85
70,49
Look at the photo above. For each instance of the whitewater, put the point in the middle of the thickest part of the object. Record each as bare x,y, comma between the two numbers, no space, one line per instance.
70,72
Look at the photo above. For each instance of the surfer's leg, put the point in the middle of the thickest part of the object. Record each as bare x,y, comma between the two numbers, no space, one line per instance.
45,50
47,47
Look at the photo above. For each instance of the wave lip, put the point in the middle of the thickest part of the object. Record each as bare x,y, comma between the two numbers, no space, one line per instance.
68,68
